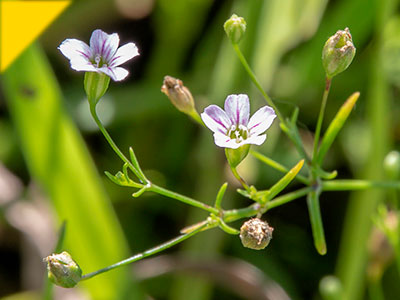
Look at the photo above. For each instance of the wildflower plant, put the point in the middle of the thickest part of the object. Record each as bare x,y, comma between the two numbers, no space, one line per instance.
234,130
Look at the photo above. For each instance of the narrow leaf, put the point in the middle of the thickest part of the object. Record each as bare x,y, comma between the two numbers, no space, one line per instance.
316,222
335,126
138,171
284,181
228,229
220,195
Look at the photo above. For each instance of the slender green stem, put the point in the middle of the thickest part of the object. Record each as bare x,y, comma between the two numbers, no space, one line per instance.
241,180
228,216
240,213
152,187
358,184
288,197
277,166
255,81
321,117
146,253
256,208
112,143
159,190
196,117
228,229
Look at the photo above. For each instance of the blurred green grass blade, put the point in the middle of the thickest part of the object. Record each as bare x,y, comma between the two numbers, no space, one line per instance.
48,285
59,161
353,253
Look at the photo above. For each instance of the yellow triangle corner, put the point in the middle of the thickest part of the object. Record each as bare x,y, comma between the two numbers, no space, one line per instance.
21,22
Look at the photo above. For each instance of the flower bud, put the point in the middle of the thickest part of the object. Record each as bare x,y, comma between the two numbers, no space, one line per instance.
235,156
235,27
96,85
255,234
179,95
62,270
391,165
338,53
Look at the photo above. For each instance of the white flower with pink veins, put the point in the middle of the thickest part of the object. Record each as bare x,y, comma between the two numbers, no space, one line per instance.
232,127
102,56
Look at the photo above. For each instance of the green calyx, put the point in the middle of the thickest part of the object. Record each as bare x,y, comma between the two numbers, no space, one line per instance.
235,156
96,85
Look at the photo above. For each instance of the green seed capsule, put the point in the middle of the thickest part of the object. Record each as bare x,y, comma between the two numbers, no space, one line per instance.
338,53
62,270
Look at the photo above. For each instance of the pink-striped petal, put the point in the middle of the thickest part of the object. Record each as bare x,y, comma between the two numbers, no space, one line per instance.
104,44
261,120
216,119
224,141
123,54
237,108
75,50
116,73
256,139
80,65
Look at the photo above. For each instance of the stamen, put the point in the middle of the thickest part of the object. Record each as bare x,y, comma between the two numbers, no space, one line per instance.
239,133
97,60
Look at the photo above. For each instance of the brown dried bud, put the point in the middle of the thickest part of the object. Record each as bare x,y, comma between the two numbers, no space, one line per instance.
179,95
256,234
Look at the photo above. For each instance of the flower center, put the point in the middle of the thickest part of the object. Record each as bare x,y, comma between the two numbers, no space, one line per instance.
239,133
98,61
